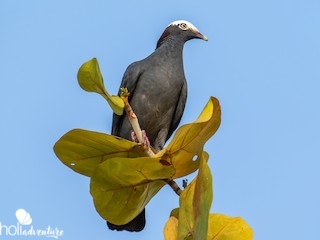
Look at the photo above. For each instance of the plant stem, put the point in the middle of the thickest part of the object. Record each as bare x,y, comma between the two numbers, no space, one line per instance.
174,186
137,129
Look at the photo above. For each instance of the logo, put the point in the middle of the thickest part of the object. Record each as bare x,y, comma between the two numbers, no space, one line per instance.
24,227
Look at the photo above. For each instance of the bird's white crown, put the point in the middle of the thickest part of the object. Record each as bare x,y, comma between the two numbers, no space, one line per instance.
184,25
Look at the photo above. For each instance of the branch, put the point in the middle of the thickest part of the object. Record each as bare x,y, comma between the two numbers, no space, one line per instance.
174,186
137,129
134,120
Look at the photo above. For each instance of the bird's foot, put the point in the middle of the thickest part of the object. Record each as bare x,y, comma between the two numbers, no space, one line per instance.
134,137
145,141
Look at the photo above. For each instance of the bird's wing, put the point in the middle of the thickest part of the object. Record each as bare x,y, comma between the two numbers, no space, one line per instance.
129,81
178,111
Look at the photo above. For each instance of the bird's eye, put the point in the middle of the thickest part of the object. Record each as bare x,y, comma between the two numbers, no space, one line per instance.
183,26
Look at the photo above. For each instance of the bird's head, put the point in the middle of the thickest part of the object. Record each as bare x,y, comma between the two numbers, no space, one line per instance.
180,30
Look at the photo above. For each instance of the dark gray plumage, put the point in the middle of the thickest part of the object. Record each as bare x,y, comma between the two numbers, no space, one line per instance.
158,93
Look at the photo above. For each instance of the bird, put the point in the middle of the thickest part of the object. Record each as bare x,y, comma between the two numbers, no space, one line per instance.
158,94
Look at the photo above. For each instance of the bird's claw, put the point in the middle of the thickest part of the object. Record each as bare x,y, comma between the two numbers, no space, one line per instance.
145,141
134,137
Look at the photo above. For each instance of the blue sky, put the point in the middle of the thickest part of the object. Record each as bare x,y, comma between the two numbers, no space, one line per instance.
262,61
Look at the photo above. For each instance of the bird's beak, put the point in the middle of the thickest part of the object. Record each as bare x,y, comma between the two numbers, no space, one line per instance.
201,36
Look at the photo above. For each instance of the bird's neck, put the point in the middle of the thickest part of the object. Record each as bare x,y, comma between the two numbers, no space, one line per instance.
172,47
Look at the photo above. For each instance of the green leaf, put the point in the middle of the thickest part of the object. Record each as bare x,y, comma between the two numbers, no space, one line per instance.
195,203
83,150
222,227
122,187
90,79
123,179
186,215
175,213
185,149
202,199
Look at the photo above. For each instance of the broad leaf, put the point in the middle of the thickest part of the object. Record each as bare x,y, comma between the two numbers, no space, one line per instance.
202,199
175,213
90,79
186,213
184,151
222,227
82,150
195,202
170,230
122,187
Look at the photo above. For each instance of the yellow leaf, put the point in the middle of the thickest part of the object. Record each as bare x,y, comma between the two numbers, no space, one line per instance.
82,150
171,229
122,187
90,79
195,203
184,151
222,227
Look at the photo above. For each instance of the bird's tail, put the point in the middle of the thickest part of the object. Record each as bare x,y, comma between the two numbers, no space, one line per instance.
135,225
